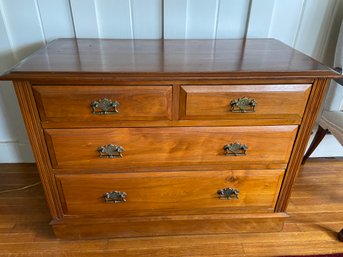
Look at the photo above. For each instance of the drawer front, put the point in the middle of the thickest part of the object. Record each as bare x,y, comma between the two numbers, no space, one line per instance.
244,101
169,193
103,103
158,147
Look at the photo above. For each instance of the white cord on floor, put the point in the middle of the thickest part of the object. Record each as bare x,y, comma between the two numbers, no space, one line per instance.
20,188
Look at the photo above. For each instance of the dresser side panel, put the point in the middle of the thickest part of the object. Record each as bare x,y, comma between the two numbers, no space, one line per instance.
302,138
35,132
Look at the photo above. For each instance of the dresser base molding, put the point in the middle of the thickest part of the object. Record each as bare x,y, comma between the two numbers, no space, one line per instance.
78,228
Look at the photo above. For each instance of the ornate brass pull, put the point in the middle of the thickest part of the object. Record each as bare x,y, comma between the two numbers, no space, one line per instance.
115,197
235,149
110,151
104,106
243,104
228,193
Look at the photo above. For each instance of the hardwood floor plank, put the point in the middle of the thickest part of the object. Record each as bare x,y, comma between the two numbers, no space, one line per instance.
53,246
316,217
293,248
14,237
16,179
314,208
18,167
332,227
6,226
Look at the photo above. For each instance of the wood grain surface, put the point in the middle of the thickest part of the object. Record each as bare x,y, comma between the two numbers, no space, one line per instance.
300,144
36,135
272,101
168,58
171,193
71,228
73,103
168,147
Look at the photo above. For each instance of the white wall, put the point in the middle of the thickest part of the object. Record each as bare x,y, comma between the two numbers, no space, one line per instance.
310,26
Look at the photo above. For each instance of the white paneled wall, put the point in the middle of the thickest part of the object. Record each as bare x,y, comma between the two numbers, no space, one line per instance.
205,18
117,18
25,25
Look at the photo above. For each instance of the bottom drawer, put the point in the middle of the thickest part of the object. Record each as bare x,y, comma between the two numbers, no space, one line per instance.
170,193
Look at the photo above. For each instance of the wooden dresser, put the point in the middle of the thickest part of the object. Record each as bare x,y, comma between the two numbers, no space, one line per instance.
167,137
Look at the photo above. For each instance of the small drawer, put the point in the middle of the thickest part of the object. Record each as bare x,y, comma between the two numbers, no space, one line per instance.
169,193
244,101
103,103
139,148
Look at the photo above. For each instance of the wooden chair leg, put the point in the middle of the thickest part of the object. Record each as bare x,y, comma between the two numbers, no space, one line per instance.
340,235
316,140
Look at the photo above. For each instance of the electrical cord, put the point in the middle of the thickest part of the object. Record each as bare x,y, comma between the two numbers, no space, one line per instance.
20,188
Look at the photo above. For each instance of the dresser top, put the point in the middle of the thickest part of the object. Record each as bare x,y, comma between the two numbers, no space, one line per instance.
179,58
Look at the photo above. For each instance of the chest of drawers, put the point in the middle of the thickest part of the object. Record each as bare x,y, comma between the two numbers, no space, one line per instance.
168,137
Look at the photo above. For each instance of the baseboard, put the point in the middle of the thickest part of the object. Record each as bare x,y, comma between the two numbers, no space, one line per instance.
15,152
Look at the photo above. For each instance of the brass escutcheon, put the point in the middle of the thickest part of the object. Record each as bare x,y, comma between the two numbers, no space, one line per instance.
115,197
228,193
243,104
104,106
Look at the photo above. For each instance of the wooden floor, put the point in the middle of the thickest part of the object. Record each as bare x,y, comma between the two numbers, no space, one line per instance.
316,214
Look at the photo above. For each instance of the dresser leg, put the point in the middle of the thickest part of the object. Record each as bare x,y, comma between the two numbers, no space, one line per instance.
320,134
340,235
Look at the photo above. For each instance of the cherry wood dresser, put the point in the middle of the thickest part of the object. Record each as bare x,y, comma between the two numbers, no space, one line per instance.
168,137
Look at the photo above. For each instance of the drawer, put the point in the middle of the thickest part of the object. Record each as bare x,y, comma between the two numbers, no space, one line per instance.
244,101
169,193
136,148
103,103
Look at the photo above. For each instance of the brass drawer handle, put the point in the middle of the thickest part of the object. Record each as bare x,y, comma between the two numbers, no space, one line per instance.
110,151
115,197
235,149
228,193
104,106
243,104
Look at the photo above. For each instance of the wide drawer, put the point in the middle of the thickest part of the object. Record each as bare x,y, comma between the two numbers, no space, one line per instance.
103,103
243,101
169,193
171,146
